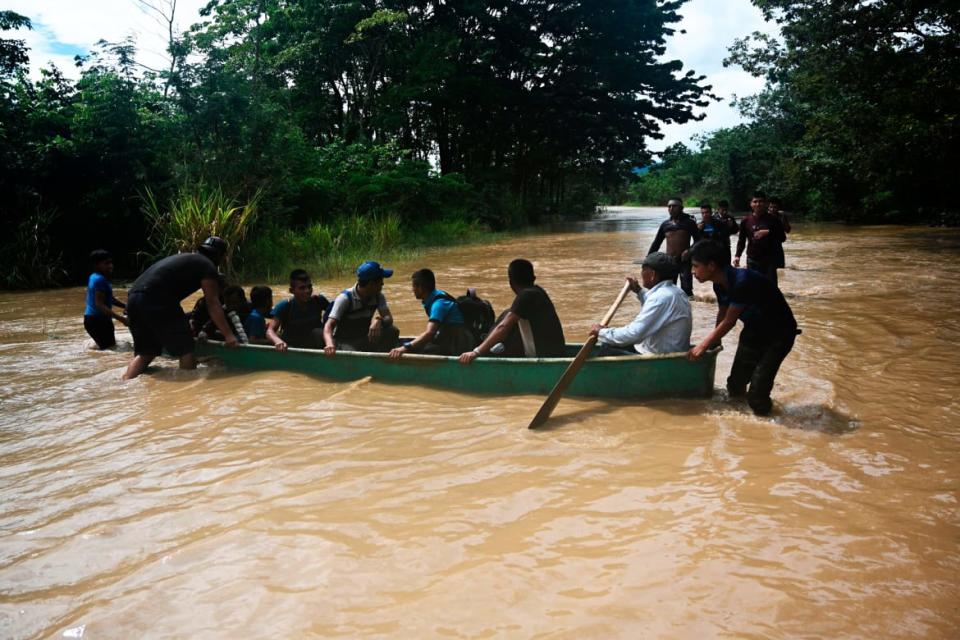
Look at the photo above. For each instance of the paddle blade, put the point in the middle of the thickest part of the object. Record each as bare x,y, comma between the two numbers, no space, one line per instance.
558,389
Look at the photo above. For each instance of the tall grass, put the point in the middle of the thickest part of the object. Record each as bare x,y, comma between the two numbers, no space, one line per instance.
196,212
337,248
27,258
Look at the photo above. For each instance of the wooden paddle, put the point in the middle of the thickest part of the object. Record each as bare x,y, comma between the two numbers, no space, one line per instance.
551,402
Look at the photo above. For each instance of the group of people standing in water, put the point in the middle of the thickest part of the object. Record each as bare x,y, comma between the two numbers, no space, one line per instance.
359,317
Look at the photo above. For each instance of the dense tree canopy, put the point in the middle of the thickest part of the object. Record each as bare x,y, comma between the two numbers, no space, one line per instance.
515,107
859,118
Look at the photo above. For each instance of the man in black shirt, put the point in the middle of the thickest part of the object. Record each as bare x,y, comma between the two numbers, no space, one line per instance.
769,327
532,314
680,231
157,320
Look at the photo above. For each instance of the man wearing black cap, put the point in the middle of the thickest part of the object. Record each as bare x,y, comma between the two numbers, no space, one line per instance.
156,318
664,322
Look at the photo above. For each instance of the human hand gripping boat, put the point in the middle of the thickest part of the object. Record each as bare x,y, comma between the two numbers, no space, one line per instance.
631,377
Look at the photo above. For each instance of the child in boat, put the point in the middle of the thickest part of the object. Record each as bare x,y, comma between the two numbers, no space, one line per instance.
298,321
769,328
235,308
255,324
99,315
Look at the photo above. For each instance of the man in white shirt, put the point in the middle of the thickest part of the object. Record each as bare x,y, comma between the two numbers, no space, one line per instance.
663,324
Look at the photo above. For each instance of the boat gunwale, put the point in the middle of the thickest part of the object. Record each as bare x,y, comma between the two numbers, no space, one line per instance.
713,351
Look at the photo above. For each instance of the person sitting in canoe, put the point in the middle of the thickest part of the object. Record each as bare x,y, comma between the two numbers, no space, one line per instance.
664,322
769,328
447,333
532,314
359,318
298,321
255,324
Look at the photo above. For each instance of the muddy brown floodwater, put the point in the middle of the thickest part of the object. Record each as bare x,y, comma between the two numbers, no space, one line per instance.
221,504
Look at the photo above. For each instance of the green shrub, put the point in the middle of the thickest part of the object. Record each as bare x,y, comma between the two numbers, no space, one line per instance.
196,212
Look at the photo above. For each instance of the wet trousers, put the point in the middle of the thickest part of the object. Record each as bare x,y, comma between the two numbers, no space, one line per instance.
756,364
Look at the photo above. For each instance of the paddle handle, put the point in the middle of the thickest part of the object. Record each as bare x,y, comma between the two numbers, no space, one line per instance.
554,398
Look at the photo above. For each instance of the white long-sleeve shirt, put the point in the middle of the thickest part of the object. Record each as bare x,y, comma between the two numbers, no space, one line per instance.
662,326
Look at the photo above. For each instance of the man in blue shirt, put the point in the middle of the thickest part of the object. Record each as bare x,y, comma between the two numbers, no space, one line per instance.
98,316
446,333
664,322
769,328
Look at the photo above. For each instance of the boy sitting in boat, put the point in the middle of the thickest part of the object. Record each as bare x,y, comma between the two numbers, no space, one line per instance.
255,324
298,321
360,319
532,314
664,322
446,333
99,315
769,328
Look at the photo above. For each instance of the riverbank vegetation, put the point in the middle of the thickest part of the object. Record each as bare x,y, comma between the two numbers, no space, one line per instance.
356,127
859,120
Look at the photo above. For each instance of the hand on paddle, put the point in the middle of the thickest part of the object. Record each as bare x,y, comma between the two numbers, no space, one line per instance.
634,284
595,330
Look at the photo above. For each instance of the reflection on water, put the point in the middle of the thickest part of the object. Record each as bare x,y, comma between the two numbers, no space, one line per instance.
217,503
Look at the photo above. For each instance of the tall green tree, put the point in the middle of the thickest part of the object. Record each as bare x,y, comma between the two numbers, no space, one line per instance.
865,99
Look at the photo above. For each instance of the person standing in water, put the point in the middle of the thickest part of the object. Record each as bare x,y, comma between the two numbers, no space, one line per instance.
763,235
99,315
157,321
680,231
769,328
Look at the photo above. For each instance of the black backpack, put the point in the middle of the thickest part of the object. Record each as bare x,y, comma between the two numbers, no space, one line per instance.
477,313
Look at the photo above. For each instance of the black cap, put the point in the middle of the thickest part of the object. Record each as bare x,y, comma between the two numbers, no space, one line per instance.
662,263
214,245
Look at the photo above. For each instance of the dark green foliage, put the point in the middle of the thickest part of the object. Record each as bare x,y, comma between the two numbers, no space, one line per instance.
860,119
404,114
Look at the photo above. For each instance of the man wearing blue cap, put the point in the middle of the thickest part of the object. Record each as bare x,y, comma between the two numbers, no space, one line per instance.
360,319
157,321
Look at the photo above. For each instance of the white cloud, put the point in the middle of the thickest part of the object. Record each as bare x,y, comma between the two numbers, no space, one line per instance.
81,24
711,27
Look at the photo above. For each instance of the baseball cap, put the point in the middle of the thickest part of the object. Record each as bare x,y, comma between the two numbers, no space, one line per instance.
371,270
660,262
214,244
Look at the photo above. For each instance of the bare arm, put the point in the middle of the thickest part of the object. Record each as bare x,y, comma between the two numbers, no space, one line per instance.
211,292
419,341
499,334
272,328
329,345
100,301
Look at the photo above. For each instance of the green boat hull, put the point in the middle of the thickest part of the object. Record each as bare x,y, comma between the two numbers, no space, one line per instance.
666,375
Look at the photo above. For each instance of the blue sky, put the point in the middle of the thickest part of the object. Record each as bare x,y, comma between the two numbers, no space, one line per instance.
65,28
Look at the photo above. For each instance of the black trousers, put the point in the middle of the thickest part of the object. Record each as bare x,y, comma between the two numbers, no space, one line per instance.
100,328
757,363
389,338
768,269
686,277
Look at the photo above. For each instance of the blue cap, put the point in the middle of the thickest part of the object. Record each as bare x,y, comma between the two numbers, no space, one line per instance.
371,270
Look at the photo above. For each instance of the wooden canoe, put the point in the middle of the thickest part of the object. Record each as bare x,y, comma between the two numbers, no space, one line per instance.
654,376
